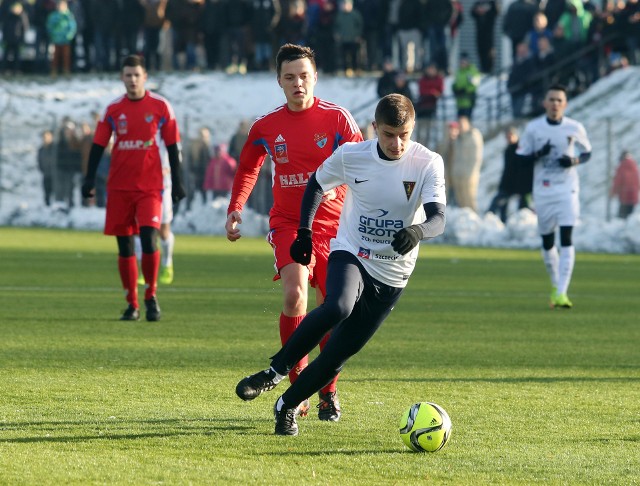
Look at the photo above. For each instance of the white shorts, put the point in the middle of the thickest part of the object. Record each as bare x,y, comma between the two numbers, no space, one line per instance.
556,212
167,206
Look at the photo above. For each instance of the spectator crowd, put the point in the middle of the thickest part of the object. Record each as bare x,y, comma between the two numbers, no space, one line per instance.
414,44
349,36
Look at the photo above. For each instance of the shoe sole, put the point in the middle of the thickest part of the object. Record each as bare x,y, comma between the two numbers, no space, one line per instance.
560,306
287,434
303,409
329,419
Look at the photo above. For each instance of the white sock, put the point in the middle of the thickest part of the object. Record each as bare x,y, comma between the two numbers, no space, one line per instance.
166,247
279,404
551,261
567,260
138,247
278,377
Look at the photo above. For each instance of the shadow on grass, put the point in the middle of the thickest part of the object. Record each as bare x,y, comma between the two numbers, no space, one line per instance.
524,379
340,452
63,431
607,440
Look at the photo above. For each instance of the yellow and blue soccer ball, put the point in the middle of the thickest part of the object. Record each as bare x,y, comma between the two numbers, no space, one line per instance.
425,427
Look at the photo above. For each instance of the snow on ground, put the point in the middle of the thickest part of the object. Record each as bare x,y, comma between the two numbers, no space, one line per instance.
221,101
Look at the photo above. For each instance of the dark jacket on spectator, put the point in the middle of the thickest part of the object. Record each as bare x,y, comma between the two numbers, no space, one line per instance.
14,27
518,20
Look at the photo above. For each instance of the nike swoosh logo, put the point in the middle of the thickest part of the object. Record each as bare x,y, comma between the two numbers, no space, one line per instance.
361,181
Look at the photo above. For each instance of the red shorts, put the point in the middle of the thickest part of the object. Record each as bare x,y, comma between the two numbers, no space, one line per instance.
280,240
128,210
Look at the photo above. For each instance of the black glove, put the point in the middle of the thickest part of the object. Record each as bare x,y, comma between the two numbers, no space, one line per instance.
546,148
566,161
302,246
177,191
407,239
87,188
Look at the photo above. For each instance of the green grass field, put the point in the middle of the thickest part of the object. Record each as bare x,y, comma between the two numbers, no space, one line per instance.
535,396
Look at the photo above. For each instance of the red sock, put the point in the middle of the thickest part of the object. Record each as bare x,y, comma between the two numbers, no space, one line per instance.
128,268
287,326
331,387
150,266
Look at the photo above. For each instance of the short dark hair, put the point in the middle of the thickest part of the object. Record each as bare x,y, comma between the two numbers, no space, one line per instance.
394,110
292,52
133,60
557,87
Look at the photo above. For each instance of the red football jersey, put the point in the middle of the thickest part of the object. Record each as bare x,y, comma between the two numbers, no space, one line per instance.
135,158
297,143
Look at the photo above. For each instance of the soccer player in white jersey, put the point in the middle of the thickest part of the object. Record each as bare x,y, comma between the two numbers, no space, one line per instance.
395,199
556,145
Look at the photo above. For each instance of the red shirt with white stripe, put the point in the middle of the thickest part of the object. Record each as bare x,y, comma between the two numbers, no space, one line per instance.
297,142
135,159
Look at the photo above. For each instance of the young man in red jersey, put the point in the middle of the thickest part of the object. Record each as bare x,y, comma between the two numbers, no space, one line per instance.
297,136
135,183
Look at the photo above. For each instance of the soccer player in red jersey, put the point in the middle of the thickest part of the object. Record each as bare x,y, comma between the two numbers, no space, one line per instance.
297,136
135,183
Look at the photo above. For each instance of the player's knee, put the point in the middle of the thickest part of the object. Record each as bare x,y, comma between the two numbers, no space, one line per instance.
149,239
566,233
295,301
336,311
126,247
548,241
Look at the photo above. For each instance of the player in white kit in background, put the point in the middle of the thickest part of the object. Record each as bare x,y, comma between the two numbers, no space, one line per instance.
556,145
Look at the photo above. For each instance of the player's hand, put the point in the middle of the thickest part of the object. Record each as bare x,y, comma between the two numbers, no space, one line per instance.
566,161
234,219
406,239
546,148
177,192
302,247
88,188
330,195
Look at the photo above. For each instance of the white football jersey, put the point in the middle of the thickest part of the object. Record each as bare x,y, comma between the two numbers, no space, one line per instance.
550,179
382,198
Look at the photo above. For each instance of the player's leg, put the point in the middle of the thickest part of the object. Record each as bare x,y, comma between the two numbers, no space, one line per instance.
120,222
328,405
128,270
150,269
295,279
167,243
567,261
546,228
167,240
295,285
148,213
551,260
568,213
347,285
138,248
370,303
